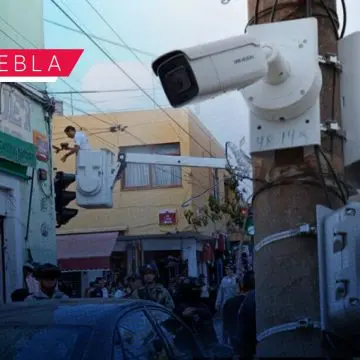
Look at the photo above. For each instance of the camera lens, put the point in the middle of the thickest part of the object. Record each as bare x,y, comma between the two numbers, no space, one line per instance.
178,80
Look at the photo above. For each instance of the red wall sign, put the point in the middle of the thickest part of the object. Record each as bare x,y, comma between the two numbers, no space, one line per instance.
167,217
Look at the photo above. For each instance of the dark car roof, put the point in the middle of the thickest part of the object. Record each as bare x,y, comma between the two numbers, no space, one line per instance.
80,312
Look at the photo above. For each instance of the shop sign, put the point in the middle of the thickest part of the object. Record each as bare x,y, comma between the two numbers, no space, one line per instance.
41,143
167,217
17,151
15,114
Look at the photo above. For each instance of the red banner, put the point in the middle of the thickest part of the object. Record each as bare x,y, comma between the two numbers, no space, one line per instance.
38,62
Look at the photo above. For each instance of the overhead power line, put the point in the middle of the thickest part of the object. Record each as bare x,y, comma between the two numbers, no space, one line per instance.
92,91
117,35
91,133
115,43
119,67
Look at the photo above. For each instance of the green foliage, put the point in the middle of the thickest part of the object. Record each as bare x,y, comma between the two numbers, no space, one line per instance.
215,210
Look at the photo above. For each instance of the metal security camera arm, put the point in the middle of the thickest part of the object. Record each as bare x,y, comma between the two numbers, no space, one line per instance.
167,160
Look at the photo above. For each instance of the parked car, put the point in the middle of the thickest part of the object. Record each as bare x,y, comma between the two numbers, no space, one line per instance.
92,329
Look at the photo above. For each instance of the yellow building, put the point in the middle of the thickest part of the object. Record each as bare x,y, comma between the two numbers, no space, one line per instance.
147,195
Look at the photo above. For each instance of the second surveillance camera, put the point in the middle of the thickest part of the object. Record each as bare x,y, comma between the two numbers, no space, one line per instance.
208,70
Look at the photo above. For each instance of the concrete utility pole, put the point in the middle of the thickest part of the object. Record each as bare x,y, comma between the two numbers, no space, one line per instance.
287,286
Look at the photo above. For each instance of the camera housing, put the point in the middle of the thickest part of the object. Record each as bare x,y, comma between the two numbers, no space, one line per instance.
207,70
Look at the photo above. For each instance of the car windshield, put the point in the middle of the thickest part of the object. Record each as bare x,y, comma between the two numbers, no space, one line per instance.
21,342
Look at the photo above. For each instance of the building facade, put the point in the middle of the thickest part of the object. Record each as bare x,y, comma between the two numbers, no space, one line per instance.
27,225
147,213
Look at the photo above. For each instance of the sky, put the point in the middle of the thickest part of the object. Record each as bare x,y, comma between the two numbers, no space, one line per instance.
153,27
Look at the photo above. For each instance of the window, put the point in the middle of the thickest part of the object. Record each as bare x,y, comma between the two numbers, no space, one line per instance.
138,339
179,337
43,343
152,176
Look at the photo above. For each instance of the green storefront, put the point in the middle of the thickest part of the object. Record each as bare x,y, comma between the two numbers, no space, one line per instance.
16,156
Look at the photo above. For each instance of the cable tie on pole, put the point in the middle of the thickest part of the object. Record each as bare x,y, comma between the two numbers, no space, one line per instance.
304,229
302,324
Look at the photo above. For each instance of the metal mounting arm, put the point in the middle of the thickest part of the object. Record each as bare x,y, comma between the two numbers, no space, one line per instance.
167,160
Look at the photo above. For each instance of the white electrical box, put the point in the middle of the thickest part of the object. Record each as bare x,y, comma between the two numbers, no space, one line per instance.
349,57
338,235
94,178
288,114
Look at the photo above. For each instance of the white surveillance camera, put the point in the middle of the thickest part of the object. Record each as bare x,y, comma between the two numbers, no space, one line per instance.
208,70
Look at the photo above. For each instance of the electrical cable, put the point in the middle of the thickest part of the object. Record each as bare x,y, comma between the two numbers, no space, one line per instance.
292,181
227,154
114,31
333,108
28,219
331,18
111,42
187,202
343,5
256,14
322,178
121,69
117,35
87,100
231,170
94,91
86,113
332,15
273,10
61,79
336,178
196,181
308,8
285,5
71,87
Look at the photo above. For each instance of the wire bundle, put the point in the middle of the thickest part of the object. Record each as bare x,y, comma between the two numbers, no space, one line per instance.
330,13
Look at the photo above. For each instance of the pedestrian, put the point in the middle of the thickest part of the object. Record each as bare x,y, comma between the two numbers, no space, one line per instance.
228,289
81,142
118,291
231,308
134,282
95,290
213,289
31,283
152,289
192,309
246,342
101,283
47,276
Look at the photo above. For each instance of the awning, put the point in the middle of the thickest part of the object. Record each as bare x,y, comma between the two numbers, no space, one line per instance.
85,251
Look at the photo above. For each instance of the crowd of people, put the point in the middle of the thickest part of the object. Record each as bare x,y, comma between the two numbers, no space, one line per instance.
190,298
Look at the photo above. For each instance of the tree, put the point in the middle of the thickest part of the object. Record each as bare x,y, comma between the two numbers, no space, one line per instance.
233,209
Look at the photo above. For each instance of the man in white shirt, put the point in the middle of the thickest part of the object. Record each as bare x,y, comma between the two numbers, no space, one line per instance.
81,141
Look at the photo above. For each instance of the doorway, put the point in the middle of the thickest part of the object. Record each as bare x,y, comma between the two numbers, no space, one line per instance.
2,263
